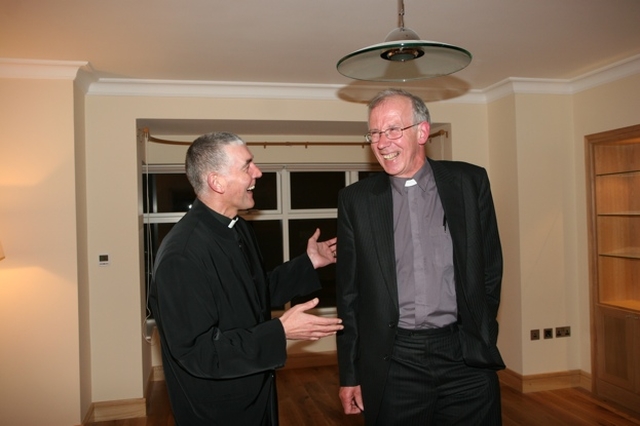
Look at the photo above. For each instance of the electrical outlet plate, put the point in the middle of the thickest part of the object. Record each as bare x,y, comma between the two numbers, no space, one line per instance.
535,334
548,333
563,331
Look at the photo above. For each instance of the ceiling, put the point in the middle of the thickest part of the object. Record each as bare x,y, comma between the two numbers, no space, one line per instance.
295,41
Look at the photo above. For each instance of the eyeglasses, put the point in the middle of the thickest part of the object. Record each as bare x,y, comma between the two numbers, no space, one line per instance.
392,133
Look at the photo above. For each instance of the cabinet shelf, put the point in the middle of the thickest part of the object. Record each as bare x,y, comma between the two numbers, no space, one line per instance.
619,173
621,213
627,304
626,253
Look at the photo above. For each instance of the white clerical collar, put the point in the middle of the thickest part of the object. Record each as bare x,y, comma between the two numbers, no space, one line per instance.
233,222
410,182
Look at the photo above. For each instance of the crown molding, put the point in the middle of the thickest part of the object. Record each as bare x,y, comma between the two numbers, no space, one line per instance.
212,89
82,73
246,90
41,69
515,85
608,74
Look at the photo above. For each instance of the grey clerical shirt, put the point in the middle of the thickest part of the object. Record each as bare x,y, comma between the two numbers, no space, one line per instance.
424,253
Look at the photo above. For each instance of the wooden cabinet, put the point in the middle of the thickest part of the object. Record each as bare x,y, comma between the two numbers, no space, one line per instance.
618,356
613,167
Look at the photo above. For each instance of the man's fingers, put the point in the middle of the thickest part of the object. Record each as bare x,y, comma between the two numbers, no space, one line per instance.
307,305
315,235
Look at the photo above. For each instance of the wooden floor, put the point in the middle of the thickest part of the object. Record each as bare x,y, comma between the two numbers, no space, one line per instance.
309,397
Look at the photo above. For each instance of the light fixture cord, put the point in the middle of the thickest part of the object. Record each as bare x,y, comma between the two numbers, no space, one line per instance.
401,13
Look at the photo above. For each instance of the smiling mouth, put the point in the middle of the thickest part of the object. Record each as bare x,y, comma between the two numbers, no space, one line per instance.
391,156
251,188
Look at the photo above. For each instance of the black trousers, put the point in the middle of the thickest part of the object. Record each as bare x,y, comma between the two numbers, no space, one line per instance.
429,383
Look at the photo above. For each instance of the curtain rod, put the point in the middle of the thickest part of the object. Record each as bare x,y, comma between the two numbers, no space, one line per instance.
266,144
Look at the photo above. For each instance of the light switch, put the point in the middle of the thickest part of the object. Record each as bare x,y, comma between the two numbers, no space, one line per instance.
103,260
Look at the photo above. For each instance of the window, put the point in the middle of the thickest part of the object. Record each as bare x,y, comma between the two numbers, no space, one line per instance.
291,201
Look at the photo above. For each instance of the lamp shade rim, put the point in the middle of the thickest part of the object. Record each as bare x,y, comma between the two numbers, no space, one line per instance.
433,60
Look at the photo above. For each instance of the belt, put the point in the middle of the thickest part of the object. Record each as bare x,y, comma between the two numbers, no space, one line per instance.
447,329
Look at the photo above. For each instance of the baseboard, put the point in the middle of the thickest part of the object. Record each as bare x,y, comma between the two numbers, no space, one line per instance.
116,410
123,409
586,381
546,381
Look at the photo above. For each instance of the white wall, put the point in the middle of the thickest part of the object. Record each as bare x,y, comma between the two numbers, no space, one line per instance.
505,189
39,341
545,176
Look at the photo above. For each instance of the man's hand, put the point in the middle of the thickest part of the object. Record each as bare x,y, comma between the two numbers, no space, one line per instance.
299,325
321,254
351,398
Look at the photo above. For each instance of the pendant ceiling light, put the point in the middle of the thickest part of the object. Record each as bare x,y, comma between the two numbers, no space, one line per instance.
403,57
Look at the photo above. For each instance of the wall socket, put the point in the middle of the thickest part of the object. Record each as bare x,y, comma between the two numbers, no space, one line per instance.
547,333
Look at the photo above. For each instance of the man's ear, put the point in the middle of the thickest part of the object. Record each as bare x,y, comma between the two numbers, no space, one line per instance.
423,132
216,183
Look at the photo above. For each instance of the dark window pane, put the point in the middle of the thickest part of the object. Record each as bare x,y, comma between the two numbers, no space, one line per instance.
266,193
299,232
316,190
167,192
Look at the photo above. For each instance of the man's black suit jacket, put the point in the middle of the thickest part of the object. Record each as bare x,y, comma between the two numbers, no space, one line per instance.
367,291
213,310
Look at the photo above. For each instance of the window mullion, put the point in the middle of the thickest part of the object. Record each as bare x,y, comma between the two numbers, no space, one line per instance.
286,210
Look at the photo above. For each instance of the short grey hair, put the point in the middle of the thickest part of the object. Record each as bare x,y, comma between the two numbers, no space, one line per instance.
207,154
420,110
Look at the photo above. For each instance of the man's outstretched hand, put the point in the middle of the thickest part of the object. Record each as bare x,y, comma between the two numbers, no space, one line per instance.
298,325
323,253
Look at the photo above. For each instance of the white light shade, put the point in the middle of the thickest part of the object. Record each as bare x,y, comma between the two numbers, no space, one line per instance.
403,57
420,59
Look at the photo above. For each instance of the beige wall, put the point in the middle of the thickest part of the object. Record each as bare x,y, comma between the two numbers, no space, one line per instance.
536,173
68,193
504,186
469,130
39,340
84,320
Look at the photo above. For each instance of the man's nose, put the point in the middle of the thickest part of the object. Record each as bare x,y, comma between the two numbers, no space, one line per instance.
383,141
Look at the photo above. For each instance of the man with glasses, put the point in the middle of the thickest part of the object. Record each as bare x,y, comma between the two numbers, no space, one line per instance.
418,281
